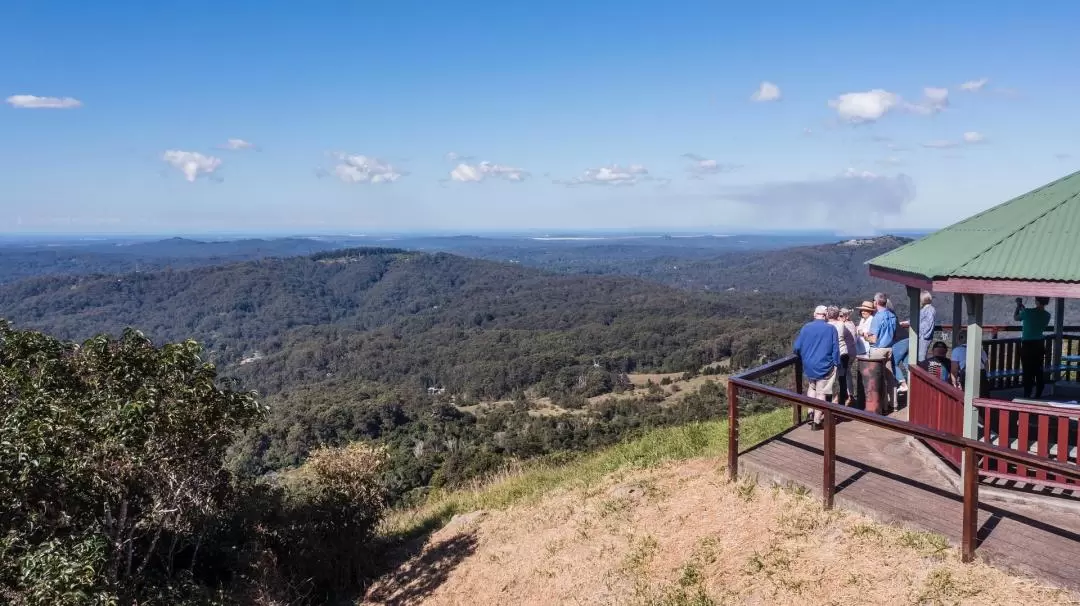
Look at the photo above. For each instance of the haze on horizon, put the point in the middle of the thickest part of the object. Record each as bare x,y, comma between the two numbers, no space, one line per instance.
345,117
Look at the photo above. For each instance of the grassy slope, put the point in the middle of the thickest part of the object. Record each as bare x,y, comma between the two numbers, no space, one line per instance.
530,482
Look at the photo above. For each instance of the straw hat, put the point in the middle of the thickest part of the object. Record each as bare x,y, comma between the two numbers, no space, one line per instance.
866,306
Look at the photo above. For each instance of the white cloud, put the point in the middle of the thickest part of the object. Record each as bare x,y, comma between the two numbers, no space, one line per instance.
891,161
854,200
238,144
35,102
974,137
191,164
767,91
866,106
1062,156
358,168
701,166
974,86
612,175
475,173
808,131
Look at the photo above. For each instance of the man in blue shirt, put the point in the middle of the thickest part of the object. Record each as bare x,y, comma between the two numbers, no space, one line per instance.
818,346
883,327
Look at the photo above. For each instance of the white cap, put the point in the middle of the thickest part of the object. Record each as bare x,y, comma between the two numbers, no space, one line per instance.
820,310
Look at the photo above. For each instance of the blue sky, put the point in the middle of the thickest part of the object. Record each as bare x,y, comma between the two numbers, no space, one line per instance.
584,113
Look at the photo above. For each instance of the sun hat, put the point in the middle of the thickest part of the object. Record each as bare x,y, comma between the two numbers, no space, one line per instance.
866,306
820,310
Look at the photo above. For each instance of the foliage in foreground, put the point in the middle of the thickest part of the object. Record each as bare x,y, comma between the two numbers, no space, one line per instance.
113,488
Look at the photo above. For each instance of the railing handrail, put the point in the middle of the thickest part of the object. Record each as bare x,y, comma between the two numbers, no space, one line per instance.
909,429
767,368
1054,411
1007,327
937,384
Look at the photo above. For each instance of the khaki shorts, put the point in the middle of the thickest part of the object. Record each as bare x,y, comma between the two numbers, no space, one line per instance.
819,388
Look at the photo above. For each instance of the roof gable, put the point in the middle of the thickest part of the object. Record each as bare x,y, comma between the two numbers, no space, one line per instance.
1035,236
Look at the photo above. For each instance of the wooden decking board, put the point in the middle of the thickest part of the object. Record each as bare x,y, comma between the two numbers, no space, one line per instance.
878,473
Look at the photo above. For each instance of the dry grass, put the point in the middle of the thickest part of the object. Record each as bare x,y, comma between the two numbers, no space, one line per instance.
653,522
678,534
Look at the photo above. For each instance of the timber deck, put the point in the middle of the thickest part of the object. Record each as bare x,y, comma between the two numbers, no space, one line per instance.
894,479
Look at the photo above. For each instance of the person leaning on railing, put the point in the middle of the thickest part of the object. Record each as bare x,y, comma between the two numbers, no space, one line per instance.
1032,345
959,366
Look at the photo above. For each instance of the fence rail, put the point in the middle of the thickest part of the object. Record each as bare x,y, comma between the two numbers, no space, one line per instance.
971,450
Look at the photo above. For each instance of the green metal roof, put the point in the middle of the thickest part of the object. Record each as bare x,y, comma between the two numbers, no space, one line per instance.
1035,236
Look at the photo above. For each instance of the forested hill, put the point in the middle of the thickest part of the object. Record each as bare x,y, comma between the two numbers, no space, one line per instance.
475,327
22,262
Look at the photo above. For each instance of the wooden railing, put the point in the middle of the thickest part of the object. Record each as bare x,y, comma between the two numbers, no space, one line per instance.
973,451
938,405
1003,369
1047,431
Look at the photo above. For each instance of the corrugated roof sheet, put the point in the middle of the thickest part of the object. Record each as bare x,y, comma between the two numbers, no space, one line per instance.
1035,236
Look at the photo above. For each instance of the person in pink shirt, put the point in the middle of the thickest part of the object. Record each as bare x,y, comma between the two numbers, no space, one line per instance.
846,340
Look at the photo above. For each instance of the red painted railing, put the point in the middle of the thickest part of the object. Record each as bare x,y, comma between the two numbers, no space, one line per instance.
938,405
1046,431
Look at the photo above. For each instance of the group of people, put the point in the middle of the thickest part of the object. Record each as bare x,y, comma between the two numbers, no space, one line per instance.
829,343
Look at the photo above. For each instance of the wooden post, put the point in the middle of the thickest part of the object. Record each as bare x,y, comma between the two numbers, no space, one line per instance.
971,505
972,379
1059,335
828,488
797,414
914,308
733,431
957,317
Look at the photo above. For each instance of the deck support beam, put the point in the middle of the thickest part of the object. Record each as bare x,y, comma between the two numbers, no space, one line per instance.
733,431
957,318
972,379
1059,336
914,310
969,536
828,488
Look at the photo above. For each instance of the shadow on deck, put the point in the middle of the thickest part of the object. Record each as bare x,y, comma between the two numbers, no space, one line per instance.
893,478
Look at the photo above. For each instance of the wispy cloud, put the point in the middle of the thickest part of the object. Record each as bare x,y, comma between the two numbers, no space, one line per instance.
969,138
941,144
237,145
35,102
358,168
854,200
475,173
767,91
934,100
611,175
191,164
974,86
701,167
1062,156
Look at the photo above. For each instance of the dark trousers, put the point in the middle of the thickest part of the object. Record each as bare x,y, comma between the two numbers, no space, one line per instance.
844,381
1031,362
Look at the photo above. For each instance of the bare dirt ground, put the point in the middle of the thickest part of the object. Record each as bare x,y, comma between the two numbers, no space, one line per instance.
680,534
